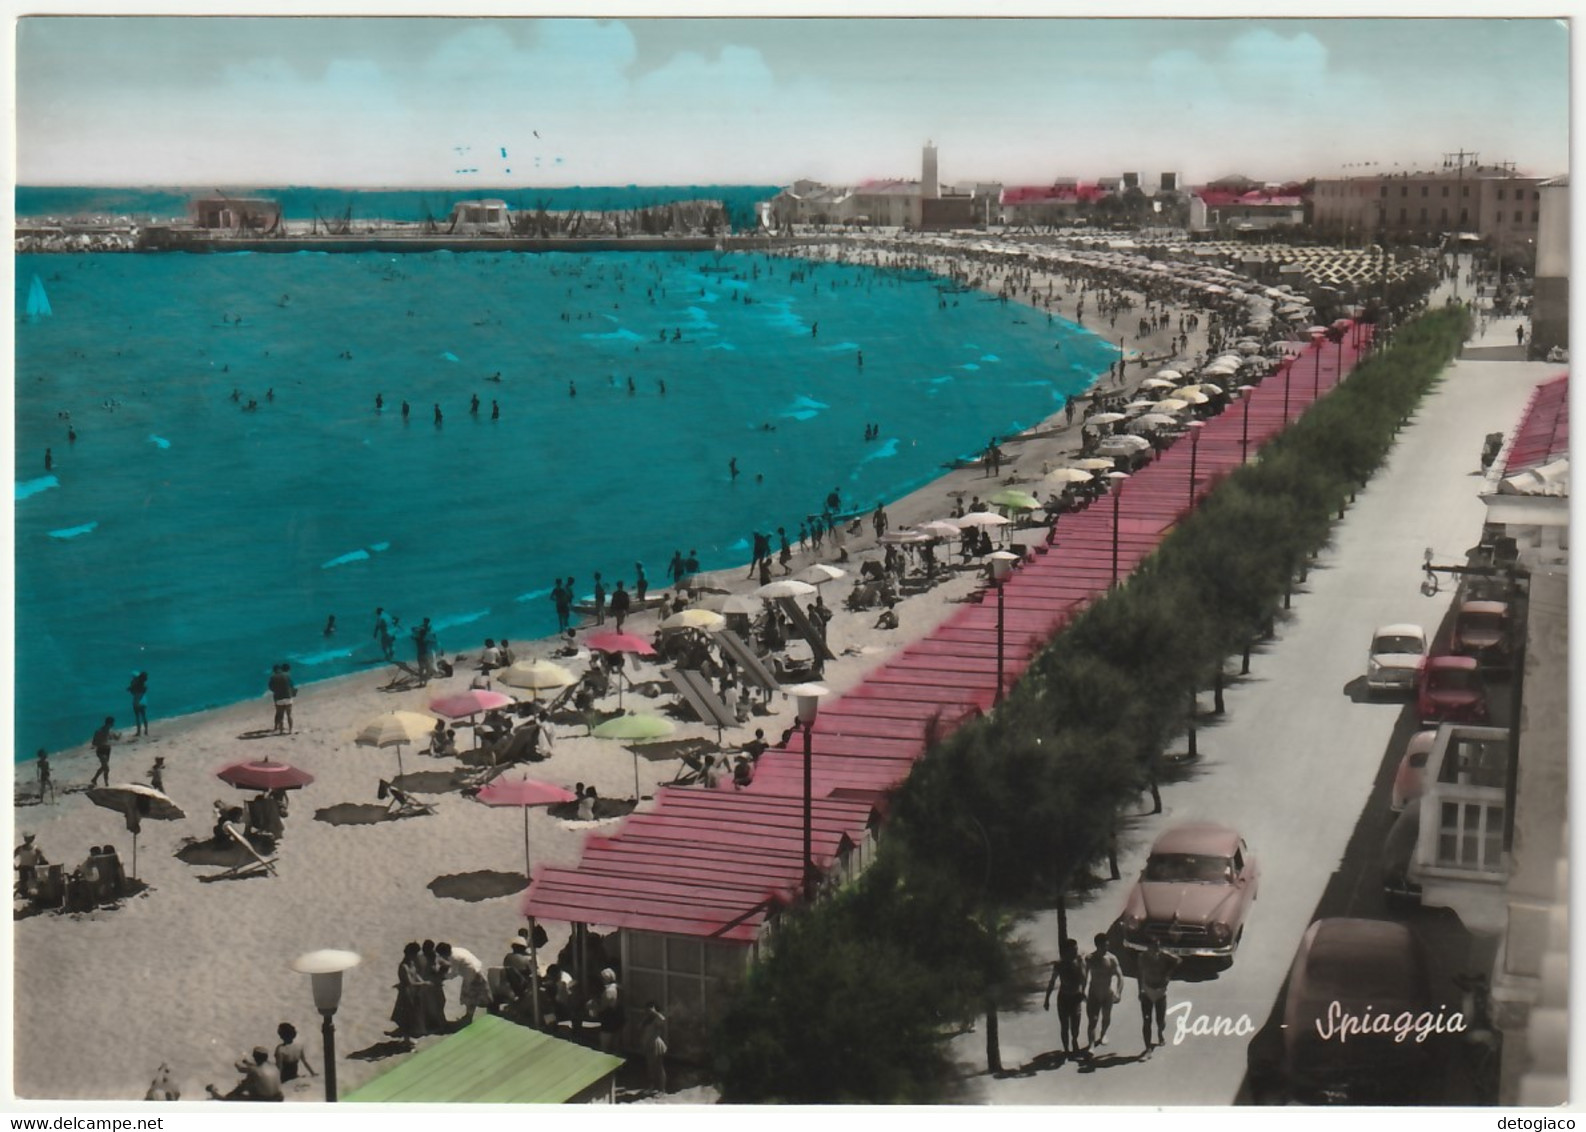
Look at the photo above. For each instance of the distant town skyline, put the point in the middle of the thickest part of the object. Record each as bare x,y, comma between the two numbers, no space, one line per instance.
501,103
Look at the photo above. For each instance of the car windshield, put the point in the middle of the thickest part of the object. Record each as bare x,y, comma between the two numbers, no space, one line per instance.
1396,643
1189,867
1456,680
1481,623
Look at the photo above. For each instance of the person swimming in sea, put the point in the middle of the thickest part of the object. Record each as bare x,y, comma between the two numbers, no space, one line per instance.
661,384
572,390
405,410
330,626
495,411
379,402
438,417
495,377
473,405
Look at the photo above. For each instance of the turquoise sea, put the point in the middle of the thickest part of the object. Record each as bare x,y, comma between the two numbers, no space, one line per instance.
185,535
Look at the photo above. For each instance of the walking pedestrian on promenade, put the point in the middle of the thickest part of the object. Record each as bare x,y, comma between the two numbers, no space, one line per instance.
101,744
1103,988
1153,972
1068,976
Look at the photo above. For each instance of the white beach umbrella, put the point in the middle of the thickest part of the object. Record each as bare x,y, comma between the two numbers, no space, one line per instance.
1151,421
785,587
1067,476
819,573
983,519
938,528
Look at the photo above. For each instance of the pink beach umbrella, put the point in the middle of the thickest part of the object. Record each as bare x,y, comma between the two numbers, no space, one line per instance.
620,642
526,793
262,774
471,702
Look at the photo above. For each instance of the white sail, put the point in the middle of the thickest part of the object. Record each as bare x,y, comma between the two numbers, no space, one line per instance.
38,301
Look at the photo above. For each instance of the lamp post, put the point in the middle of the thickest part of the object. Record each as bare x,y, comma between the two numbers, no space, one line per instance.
1288,379
1244,433
1195,449
808,698
1339,342
324,969
1001,564
1117,479
1316,382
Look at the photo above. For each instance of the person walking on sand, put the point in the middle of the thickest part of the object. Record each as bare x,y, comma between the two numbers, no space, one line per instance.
101,744
562,598
621,602
140,714
157,773
423,648
465,966
283,692
640,583
1103,988
408,1016
1068,976
600,600
1153,971
46,781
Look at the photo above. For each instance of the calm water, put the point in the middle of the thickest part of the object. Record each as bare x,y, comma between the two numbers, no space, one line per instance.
184,535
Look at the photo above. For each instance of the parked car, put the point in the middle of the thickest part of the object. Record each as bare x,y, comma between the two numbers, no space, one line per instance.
1395,656
1481,630
1450,688
1409,780
1347,968
1194,893
1398,850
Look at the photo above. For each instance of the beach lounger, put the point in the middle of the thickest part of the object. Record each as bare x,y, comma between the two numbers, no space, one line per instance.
258,865
749,663
402,804
808,631
701,697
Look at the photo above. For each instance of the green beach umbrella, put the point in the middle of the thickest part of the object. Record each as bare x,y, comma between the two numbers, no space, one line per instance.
1017,500
633,730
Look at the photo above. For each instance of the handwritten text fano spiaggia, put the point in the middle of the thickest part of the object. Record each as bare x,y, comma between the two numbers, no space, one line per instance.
1342,1025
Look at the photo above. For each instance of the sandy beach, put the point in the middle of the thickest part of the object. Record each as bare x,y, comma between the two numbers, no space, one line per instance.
192,972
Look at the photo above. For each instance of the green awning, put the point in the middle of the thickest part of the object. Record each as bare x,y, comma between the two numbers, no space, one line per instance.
492,1061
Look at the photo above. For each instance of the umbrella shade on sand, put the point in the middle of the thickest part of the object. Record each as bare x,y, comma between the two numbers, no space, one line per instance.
263,774
633,730
526,793
535,675
621,642
396,729
134,801
785,587
818,574
1015,500
696,618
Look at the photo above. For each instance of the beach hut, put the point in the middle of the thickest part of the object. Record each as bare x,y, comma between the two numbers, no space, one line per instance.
494,1061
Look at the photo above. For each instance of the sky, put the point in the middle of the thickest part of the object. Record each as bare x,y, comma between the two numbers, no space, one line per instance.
516,102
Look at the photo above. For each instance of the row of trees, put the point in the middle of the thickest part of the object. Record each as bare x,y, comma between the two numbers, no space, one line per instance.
1014,812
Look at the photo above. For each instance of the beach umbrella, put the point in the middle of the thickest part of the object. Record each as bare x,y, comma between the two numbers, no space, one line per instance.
698,618
1129,443
742,603
904,538
982,519
1205,387
1095,464
1015,500
1067,476
1103,418
938,529
784,587
263,774
1139,406
631,730
818,574
471,702
1169,374
621,642
396,729
1172,405
134,801
1193,396
526,793
1148,421
535,675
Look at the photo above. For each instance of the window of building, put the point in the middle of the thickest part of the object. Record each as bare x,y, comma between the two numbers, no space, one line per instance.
1404,215
1424,190
1445,190
1535,216
1464,190
1536,194
1423,216
1518,216
1500,194
1404,190
1442,216
1464,216
1384,190
1470,836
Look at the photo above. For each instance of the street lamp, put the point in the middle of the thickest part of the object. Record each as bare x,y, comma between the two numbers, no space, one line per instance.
324,969
1288,379
1244,434
1117,479
1001,564
808,697
1316,343
1339,342
1195,448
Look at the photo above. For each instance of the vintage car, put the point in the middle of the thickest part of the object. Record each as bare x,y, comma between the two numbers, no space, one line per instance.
1330,1045
1481,630
1193,896
1396,654
1450,688
1408,781
1398,851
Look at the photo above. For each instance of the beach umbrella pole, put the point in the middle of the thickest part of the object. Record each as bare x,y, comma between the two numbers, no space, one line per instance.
534,947
635,751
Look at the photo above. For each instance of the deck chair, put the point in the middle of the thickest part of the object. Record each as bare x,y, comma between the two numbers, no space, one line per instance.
402,804
257,865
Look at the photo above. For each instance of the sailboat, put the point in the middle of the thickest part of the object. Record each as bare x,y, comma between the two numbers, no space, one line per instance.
38,301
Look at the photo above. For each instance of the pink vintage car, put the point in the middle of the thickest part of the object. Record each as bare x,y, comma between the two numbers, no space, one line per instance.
1197,887
1409,781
